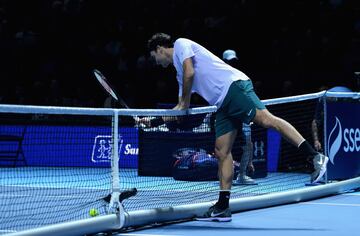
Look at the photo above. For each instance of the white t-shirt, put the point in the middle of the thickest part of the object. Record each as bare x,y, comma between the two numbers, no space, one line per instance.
213,76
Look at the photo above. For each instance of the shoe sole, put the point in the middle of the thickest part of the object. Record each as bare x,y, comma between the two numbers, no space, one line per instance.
215,219
323,169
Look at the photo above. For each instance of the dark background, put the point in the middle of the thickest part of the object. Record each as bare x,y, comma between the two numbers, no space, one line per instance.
48,48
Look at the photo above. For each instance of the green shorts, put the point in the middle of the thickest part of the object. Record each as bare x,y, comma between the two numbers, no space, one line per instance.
239,106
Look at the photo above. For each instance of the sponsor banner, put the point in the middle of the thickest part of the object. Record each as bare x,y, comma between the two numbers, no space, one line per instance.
273,150
260,149
46,145
128,148
343,139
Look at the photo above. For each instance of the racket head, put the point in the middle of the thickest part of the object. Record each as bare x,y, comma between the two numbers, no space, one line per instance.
105,84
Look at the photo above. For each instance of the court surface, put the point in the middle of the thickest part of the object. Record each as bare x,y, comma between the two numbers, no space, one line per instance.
335,215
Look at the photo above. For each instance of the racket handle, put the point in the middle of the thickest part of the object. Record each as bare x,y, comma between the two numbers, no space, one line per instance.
123,195
127,194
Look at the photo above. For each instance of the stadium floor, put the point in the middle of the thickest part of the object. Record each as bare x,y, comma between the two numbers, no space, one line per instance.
335,215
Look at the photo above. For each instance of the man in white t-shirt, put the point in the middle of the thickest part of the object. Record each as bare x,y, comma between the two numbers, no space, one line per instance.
200,71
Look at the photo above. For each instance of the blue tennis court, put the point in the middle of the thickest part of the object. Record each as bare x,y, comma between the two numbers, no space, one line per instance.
69,193
335,215
64,203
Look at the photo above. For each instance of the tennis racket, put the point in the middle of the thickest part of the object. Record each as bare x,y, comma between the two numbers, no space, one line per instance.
105,84
111,91
114,204
109,88
123,195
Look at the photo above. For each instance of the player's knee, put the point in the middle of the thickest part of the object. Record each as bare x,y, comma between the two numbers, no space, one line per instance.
221,153
218,153
266,122
265,119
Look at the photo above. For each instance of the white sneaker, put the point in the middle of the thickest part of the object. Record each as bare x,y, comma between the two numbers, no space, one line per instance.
244,180
320,162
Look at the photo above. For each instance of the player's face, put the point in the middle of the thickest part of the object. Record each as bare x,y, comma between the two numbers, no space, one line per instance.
160,57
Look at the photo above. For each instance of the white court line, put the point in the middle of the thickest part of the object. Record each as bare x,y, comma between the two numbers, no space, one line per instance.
149,234
51,196
52,187
352,194
8,231
330,204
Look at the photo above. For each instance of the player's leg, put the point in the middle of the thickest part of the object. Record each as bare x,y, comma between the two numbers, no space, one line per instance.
263,117
267,120
226,131
223,146
221,211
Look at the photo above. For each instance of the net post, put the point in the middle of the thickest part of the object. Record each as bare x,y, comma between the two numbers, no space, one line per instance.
115,205
325,133
115,153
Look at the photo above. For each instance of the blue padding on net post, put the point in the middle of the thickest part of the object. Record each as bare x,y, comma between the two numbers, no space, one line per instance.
273,150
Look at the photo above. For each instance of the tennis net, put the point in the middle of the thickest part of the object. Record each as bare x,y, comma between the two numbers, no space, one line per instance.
52,165
171,164
174,165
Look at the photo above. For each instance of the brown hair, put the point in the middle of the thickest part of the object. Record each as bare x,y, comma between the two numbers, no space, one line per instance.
160,39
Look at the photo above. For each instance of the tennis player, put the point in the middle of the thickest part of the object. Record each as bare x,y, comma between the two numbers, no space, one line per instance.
245,161
200,71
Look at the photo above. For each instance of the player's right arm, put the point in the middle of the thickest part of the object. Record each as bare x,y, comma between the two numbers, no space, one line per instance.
188,78
185,96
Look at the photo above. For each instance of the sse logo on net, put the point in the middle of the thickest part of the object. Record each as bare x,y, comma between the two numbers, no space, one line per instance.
345,139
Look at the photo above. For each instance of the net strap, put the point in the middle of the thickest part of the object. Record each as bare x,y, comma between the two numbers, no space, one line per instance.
115,206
